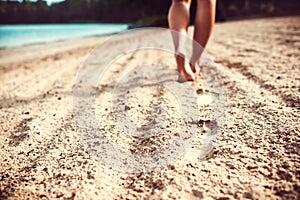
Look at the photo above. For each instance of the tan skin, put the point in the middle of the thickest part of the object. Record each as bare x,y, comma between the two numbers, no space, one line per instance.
179,18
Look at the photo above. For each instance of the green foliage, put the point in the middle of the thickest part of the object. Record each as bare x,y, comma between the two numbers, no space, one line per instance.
158,20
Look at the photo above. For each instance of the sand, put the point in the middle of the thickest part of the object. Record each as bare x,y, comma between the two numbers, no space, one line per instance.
256,156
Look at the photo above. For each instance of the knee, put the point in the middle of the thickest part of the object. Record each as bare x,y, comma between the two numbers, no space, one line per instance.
184,2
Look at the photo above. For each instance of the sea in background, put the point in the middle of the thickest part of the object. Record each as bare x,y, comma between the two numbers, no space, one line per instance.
20,35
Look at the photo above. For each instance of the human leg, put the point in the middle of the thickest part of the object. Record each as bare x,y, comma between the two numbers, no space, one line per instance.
179,18
204,23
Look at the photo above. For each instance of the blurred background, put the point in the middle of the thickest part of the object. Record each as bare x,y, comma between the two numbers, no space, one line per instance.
26,22
146,13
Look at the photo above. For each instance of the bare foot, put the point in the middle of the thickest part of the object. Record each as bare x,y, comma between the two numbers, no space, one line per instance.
185,74
193,65
193,68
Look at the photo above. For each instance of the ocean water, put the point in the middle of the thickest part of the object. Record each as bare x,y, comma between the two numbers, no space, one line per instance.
20,35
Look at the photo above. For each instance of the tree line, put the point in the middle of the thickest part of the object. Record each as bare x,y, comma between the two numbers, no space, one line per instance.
153,12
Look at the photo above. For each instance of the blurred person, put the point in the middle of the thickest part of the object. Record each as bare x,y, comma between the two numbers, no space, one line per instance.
179,19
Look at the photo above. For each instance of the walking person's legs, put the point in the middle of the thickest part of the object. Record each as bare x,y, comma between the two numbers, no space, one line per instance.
179,18
204,23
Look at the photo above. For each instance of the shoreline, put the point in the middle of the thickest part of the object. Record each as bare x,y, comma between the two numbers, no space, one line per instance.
14,36
43,50
61,40
134,26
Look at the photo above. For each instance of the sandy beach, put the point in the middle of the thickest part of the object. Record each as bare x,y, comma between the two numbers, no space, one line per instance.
257,156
